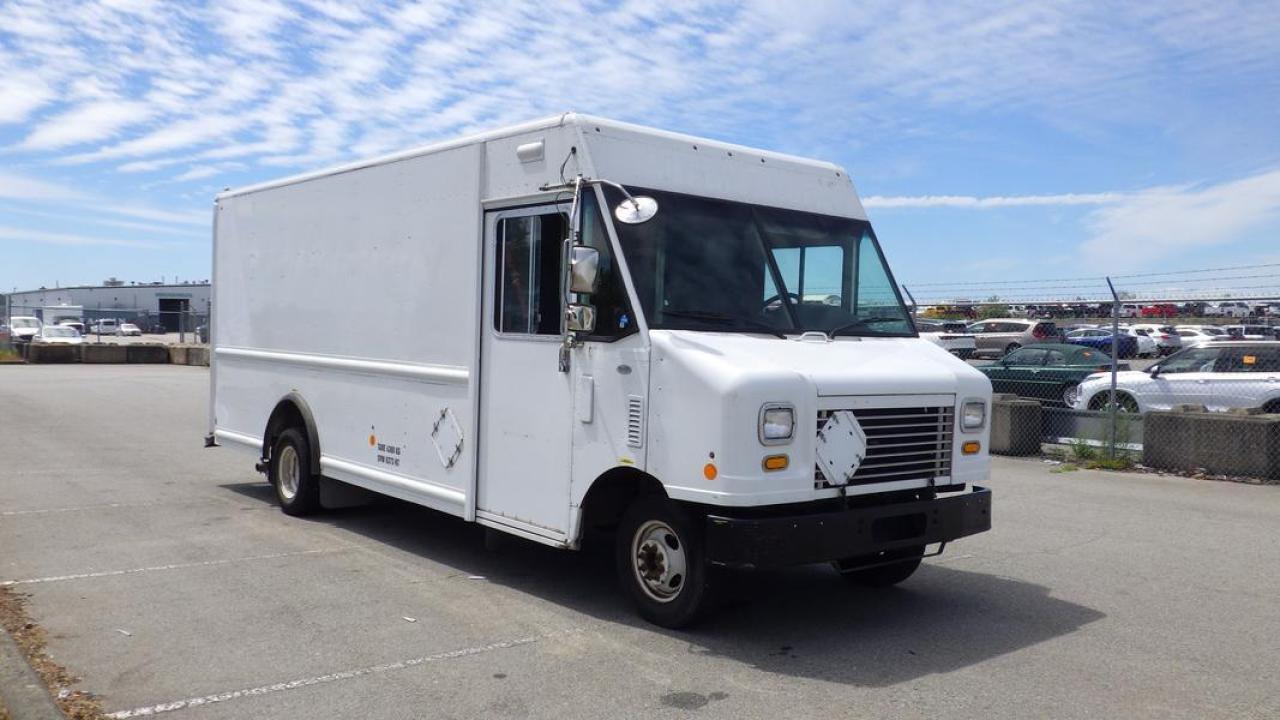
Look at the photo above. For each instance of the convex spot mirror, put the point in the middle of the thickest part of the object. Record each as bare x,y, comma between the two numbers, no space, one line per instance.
584,269
635,210
580,319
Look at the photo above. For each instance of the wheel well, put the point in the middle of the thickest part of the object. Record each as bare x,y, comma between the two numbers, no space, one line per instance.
612,493
1272,406
292,412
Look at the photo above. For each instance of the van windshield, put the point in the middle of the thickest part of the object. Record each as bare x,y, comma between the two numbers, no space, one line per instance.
715,265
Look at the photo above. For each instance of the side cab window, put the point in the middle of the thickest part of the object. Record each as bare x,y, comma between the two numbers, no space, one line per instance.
614,317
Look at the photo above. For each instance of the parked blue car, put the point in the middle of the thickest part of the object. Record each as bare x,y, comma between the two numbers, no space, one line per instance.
1099,339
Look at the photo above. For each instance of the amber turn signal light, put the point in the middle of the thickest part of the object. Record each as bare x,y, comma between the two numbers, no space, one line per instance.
971,448
776,462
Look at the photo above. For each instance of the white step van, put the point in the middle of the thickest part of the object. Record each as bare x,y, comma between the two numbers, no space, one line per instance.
587,324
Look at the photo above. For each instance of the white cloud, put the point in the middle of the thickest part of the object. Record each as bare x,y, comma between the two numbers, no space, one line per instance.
1158,223
15,234
91,121
969,201
21,96
20,187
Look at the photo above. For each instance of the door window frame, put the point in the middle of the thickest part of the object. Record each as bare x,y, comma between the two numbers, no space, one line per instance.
493,219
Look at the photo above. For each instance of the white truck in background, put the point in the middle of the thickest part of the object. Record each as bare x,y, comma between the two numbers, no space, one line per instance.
588,324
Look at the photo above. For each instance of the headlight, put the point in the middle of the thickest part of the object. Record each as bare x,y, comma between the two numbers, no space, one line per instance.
974,415
777,423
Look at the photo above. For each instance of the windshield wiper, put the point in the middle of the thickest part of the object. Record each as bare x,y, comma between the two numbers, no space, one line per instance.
862,324
726,319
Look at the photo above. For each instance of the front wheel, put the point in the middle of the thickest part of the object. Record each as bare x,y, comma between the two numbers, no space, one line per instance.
1124,402
881,575
1011,347
1070,393
290,472
661,563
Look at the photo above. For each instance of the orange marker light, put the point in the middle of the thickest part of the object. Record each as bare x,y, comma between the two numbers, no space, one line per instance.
372,441
971,448
709,471
776,462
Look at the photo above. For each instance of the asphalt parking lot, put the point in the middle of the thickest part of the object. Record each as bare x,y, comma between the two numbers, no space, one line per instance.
169,582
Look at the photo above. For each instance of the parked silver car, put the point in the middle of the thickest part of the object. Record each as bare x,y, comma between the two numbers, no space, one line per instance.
1004,335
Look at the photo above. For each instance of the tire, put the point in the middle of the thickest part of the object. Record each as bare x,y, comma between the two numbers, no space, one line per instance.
661,563
884,575
1272,407
1124,402
290,473
1011,347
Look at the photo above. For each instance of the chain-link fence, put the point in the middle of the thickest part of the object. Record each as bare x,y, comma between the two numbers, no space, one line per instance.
1108,373
60,324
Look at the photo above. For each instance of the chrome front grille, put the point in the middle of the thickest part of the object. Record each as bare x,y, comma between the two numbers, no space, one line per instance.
903,443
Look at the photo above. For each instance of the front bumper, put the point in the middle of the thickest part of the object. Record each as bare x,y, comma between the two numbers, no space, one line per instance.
827,536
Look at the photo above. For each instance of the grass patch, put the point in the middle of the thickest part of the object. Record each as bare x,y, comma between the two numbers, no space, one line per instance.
1064,468
9,356
1120,462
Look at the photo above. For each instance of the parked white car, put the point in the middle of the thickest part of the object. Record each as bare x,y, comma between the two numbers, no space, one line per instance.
107,326
1147,346
1219,376
960,344
1250,332
58,335
1200,334
22,328
130,329
1229,309
1166,338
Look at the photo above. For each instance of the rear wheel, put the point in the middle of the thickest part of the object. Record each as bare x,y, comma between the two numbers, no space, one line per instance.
661,563
1012,347
290,472
882,575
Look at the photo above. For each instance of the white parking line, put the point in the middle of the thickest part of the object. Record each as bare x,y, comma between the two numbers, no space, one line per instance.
175,566
75,508
111,506
332,677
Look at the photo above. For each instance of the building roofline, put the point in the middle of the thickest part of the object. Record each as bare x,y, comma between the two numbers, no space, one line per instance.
107,287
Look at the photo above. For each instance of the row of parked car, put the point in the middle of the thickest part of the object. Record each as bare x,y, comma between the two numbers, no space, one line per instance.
1001,336
29,329
1236,309
1218,375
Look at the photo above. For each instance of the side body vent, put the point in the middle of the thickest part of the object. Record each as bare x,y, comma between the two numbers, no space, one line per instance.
635,421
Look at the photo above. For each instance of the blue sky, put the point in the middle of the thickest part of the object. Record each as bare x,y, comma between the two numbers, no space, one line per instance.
990,141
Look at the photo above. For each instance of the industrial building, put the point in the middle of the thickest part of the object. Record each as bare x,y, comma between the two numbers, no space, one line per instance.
174,305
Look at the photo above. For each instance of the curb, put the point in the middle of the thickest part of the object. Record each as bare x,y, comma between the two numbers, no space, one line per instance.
22,692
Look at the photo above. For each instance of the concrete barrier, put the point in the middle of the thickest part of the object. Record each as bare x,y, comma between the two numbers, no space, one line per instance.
198,355
148,353
177,354
91,353
1218,443
42,353
1015,426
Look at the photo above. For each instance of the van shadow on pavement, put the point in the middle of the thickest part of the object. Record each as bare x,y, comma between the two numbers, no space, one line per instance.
804,622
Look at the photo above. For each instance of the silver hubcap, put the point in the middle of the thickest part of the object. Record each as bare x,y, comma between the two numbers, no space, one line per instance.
658,561
287,475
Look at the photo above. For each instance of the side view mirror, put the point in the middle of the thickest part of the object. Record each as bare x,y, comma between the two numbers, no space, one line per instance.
1154,371
580,319
636,210
584,269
